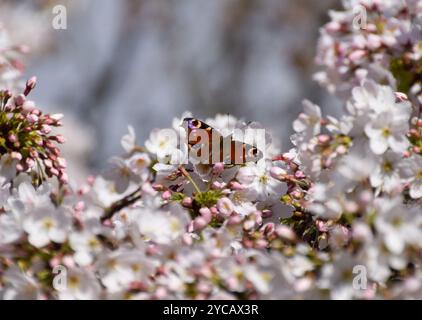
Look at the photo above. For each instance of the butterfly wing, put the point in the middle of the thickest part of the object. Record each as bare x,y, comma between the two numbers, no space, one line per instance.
198,141
240,152
220,149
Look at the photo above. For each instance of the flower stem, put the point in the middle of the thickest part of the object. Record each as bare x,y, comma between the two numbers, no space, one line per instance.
188,176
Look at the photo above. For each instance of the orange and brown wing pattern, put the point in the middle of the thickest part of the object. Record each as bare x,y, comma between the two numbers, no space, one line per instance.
219,149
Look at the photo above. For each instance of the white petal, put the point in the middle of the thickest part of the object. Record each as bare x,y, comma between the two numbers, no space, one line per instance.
57,235
416,189
378,146
394,242
38,239
128,140
398,143
83,258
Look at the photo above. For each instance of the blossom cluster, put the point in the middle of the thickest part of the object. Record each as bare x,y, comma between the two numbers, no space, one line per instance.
11,67
148,230
338,216
26,141
372,39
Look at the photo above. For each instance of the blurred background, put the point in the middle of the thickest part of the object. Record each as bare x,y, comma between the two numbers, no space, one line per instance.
143,62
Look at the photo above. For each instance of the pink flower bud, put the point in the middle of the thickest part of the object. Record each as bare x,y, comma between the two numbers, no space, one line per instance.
61,162
190,227
248,225
161,293
55,261
57,116
32,118
151,251
46,129
31,83
296,194
261,243
236,186
218,185
341,149
90,180
258,217
29,106
199,223
321,226
323,138
166,195
35,110
218,168
68,261
268,228
16,155
187,239
30,162
278,173
299,175
266,213
60,139
19,100
13,138
225,206
33,153
333,26
64,178
374,41
288,156
206,214
400,96
357,55
234,220
48,163
79,206
286,233
187,202
158,187
54,171
214,210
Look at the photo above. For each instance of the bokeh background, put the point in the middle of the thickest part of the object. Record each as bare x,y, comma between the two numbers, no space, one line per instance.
143,62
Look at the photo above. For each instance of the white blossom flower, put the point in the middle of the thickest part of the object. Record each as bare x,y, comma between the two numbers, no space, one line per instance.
81,284
162,227
259,183
308,124
139,164
162,143
411,169
11,227
128,140
397,224
7,167
86,245
120,174
386,174
45,223
388,129
20,286
118,269
225,206
293,225
338,277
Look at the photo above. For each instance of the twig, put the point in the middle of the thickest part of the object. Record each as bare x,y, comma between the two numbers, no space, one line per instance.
188,176
120,204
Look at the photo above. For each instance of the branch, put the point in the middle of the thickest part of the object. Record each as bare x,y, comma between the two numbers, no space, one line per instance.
121,204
